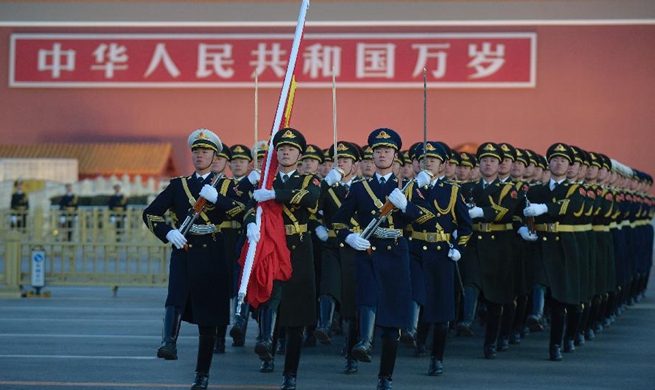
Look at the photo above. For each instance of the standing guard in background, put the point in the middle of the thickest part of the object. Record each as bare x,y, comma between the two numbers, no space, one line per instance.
68,210
294,299
199,282
337,285
486,266
19,207
244,185
441,229
556,205
117,205
383,291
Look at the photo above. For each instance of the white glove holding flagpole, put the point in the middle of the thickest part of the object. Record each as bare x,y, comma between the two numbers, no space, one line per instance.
254,176
332,177
423,179
252,232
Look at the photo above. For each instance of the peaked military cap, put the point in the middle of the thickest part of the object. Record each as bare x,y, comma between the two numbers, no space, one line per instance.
560,149
259,149
203,138
508,151
432,149
542,162
468,159
449,151
605,161
345,149
532,157
490,149
289,136
367,153
412,150
595,159
314,152
241,151
327,155
522,156
385,137
225,152
400,159
578,154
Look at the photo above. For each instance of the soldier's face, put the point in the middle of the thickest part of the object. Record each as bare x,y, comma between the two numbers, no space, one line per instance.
518,169
573,170
582,172
475,173
310,165
489,166
347,165
287,155
407,171
368,167
505,166
603,173
592,173
202,158
239,166
384,157
463,172
450,168
559,166
416,165
219,164
326,167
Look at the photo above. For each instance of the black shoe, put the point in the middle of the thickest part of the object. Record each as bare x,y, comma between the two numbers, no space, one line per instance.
515,338
579,340
167,351
420,351
503,344
489,351
238,342
598,327
267,366
384,383
362,352
263,350
310,341
463,329
555,353
589,334
436,367
534,324
323,336
408,338
201,382
288,382
569,346
220,346
351,366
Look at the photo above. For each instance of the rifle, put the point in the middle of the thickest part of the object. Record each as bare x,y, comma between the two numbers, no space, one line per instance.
529,220
198,207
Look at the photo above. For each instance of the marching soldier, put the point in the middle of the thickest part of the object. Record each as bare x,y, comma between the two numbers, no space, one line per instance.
199,281
19,206
337,285
117,204
486,268
294,299
555,206
441,228
68,209
383,280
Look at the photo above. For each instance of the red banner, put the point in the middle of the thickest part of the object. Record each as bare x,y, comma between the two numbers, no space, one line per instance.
360,60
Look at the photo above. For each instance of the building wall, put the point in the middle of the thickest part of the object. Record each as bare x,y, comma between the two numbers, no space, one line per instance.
595,88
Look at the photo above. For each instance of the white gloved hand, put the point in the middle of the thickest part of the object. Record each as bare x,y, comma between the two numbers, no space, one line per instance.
526,235
112,220
358,243
423,179
252,232
535,210
322,233
62,219
14,219
254,176
398,199
454,254
208,192
176,238
476,212
262,195
332,177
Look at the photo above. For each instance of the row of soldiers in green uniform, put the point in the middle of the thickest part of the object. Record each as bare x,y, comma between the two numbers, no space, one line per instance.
569,232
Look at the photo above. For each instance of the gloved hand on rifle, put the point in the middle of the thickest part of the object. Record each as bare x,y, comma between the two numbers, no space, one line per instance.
398,199
535,210
322,233
454,254
358,243
527,235
476,212
332,177
208,192
176,238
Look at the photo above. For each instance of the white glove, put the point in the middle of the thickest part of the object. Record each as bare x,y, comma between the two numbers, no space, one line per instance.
322,233
62,219
332,177
112,219
252,232
535,210
398,199
254,176
358,243
423,179
476,212
208,192
14,219
454,254
262,195
526,235
176,238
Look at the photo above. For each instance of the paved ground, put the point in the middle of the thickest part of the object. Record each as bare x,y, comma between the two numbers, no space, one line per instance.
84,338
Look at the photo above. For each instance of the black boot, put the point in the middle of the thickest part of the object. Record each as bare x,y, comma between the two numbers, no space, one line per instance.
325,314
238,330
267,366
438,348
558,321
494,314
464,327
533,322
264,345
206,342
506,326
292,358
421,338
573,321
168,348
362,350
387,360
220,339
408,336
351,363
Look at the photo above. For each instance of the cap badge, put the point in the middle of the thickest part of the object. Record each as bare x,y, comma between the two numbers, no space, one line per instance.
383,135
288,134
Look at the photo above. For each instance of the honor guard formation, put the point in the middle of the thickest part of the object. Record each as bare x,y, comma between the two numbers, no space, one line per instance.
379,240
